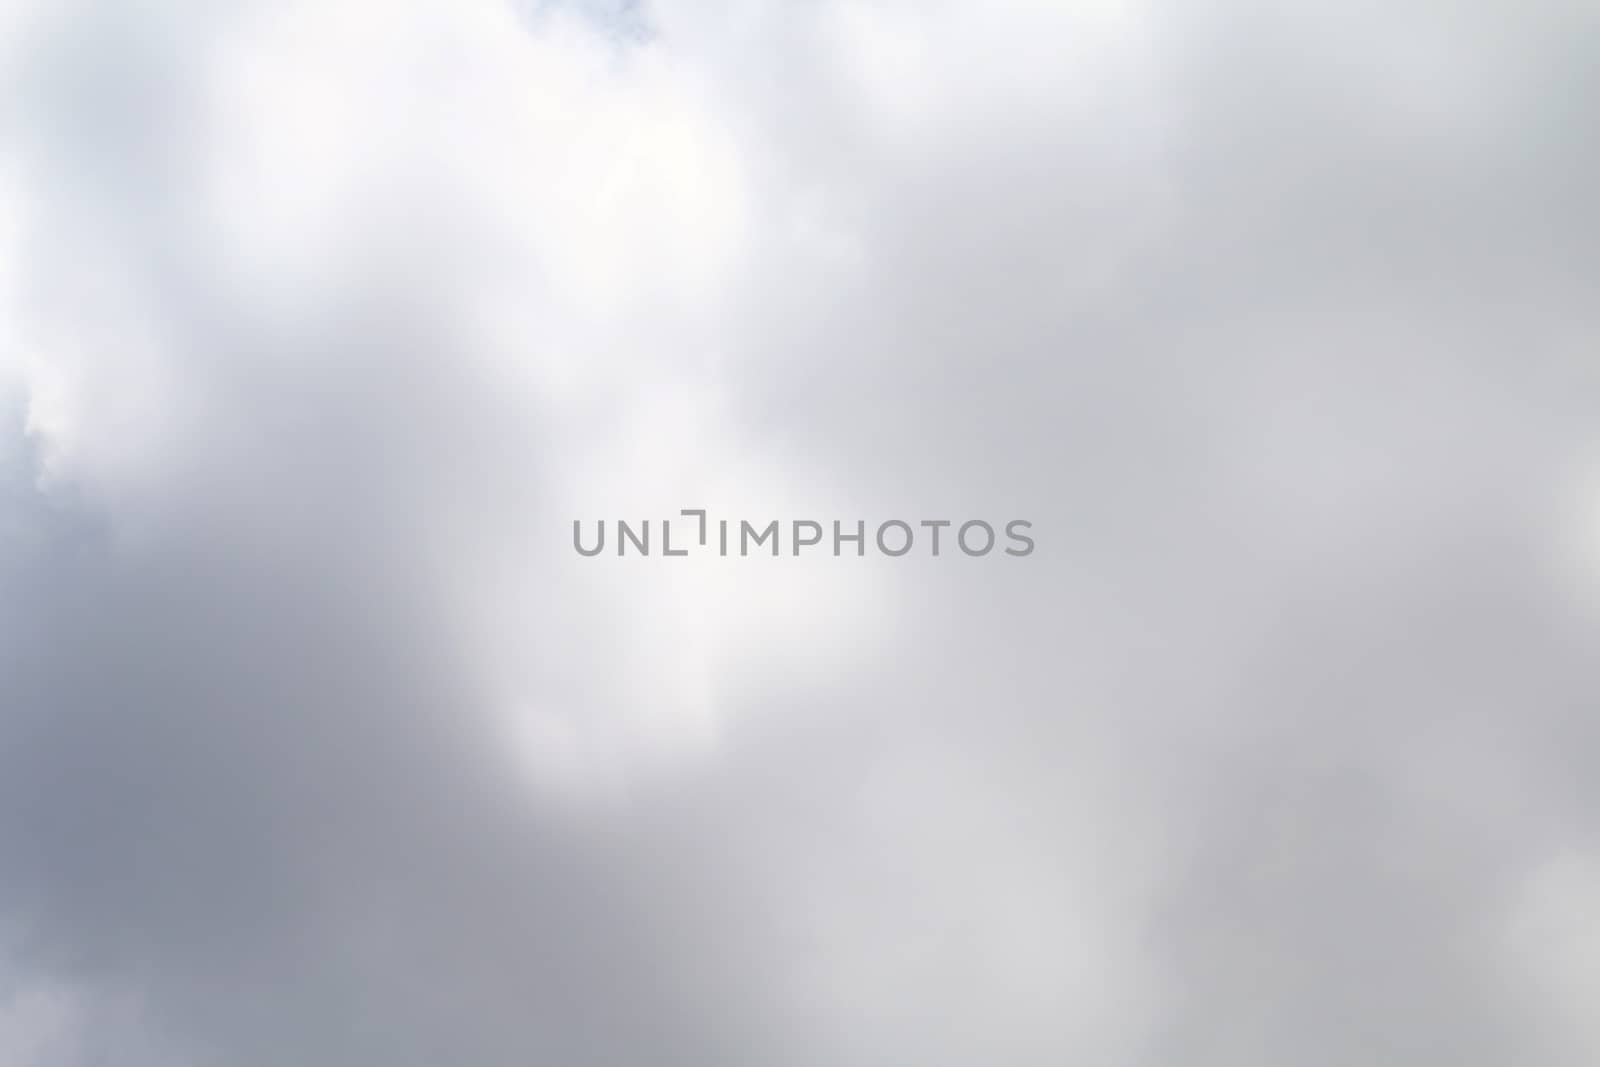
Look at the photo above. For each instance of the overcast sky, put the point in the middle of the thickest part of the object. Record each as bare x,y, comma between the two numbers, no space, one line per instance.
322,320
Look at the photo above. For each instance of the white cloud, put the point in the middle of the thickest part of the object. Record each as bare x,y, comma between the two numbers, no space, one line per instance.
325,323
38,1027
1554,938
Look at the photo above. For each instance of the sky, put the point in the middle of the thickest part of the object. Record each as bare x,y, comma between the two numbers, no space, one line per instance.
321,323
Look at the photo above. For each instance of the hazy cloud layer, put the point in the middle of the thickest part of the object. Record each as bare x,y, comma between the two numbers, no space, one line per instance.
320,323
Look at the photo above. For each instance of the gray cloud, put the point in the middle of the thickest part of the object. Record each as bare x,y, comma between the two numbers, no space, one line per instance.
319,745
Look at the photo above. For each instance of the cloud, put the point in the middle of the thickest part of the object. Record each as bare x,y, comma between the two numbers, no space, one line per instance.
323,324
